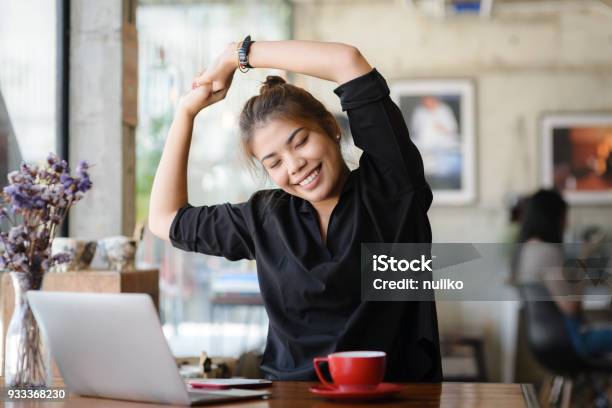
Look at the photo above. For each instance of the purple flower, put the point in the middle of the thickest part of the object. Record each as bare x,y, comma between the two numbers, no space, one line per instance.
16,234
48,176
82,168
18,197
10,189
52,159
66,180
38,199
30,170
14,177
57,165
84,184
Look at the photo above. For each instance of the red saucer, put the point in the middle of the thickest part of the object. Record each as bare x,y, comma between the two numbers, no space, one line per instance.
383,390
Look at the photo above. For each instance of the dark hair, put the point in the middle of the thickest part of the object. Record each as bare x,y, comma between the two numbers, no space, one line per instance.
543,217
278,99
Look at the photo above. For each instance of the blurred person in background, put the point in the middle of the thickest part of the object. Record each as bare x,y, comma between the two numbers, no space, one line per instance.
541,259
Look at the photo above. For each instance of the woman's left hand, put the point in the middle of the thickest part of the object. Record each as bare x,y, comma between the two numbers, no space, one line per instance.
221,72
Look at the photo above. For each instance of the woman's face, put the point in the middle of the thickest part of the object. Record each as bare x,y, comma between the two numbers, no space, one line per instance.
302,161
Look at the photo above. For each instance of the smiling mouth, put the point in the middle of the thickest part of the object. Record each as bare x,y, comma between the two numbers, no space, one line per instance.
311,177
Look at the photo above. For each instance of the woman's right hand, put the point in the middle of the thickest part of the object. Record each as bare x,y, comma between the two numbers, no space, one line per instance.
217,77
199,97
221,72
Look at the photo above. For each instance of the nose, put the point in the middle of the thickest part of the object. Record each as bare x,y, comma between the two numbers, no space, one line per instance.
295,164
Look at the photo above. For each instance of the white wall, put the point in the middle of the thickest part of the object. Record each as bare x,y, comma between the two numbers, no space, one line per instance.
524,61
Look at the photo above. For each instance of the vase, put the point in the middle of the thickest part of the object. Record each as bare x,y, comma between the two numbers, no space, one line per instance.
27,362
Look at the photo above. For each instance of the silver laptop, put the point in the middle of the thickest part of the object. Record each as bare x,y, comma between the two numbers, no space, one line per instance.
112,346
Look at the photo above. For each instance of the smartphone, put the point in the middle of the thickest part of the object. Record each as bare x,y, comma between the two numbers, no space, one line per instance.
225,383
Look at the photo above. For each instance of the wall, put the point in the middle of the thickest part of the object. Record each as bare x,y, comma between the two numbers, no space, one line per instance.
524,61
101,107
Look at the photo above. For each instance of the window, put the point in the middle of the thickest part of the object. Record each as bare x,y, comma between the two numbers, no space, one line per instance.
27,81
175,42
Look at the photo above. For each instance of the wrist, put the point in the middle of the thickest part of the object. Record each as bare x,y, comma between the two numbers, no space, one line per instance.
243,54
231,60
183,113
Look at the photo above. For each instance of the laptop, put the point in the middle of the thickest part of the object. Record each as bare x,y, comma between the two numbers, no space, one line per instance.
112,346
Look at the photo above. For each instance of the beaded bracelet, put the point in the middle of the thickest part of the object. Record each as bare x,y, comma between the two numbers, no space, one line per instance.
242,51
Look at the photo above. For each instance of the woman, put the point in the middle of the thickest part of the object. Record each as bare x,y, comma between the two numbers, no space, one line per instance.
542,260
306,235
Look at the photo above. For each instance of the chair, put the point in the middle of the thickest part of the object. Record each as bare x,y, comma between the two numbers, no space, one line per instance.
552,346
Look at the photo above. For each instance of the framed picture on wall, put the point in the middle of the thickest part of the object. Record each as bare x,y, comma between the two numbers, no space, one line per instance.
577,156
440,117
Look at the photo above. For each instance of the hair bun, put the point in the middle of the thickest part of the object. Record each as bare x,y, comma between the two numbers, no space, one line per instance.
272,81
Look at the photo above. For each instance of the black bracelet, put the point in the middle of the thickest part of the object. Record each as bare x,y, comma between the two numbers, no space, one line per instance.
243,54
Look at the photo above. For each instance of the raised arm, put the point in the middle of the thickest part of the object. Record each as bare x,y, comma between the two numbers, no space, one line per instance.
331,61
390,159
326,60
169,192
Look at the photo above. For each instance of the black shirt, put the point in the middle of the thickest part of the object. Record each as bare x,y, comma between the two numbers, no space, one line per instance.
311,290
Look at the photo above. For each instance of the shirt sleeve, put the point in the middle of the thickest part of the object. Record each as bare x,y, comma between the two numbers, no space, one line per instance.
379,129
220,230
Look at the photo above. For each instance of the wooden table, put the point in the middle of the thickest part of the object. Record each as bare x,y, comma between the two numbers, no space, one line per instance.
296,395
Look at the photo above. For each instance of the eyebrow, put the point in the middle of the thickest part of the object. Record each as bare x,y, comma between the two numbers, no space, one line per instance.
289,139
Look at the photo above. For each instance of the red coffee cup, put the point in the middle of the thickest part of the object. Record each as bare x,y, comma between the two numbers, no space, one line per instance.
353,370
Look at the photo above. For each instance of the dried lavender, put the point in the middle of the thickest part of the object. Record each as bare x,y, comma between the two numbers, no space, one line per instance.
36,201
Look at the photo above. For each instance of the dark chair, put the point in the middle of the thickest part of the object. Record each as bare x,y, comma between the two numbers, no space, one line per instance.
552,346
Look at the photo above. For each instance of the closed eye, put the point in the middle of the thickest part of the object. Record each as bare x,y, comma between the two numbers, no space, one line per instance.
275,164
302,142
